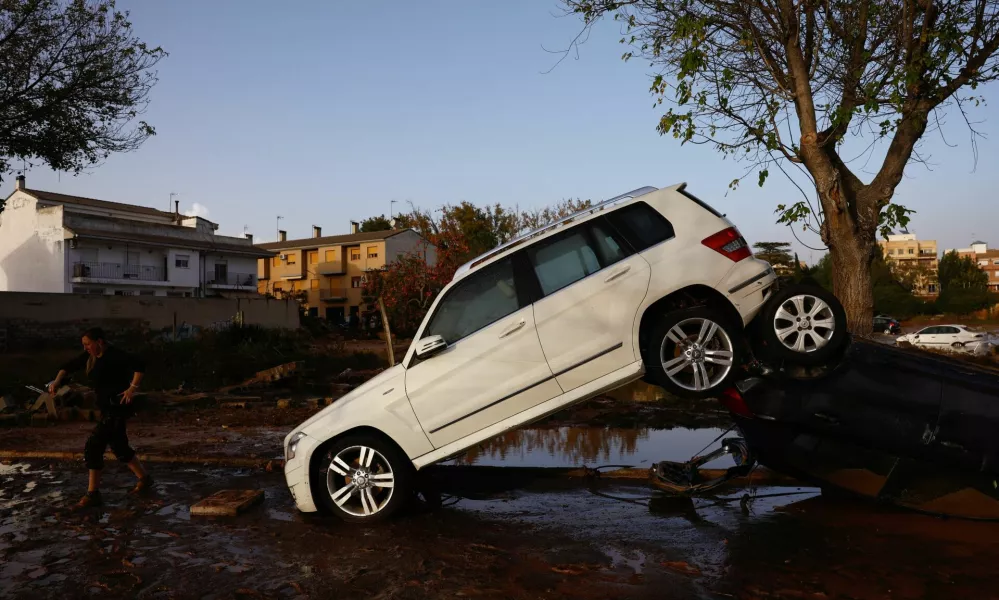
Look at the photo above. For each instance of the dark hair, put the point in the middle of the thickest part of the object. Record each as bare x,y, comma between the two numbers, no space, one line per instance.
95,334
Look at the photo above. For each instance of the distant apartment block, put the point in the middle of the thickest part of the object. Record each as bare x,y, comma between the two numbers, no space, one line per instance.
987,260
908,252
58,243
330,272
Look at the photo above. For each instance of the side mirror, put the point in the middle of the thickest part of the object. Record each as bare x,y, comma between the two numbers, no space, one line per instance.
430,346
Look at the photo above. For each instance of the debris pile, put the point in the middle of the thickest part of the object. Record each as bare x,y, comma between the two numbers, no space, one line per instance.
71,402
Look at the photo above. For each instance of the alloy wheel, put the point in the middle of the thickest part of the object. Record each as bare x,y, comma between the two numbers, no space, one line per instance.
696,354
804,323
360,481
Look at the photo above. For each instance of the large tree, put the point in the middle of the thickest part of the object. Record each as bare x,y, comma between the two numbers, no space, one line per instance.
786,83
73,81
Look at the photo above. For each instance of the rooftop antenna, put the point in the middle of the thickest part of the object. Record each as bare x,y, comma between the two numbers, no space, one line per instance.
170,202
278,231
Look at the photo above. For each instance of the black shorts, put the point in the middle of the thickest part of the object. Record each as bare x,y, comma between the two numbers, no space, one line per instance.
110,431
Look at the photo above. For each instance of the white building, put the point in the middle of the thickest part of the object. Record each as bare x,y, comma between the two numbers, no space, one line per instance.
66,244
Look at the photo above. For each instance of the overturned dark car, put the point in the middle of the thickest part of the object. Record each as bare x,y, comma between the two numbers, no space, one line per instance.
900,425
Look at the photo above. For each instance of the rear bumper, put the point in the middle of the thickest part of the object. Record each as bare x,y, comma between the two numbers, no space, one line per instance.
750,287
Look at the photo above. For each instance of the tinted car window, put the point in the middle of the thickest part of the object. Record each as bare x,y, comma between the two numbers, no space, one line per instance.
562,261
948,330
929,331
608,248
642,225
479,301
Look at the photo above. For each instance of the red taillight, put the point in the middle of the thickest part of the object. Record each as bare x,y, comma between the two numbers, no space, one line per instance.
733,401
730,243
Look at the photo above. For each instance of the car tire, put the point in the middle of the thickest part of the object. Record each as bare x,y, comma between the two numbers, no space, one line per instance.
957,345
804,325
887,331
694,352
387,479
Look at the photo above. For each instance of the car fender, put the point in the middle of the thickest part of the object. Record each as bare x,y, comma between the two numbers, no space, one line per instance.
381,404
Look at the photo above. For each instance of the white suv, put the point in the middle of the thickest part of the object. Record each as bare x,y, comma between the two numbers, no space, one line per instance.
652,283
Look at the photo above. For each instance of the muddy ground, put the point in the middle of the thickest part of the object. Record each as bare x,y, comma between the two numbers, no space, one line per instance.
493,537
603,540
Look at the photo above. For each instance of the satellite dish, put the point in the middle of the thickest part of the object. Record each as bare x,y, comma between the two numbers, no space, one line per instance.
392,223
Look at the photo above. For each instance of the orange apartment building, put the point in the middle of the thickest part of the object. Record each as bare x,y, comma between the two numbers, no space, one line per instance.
905,251
986,259
331,270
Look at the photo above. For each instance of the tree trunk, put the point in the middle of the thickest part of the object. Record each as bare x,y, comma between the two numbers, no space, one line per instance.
388,332
851,240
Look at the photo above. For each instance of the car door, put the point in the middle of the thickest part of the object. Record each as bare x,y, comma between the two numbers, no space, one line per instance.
590,284
493,366
927,337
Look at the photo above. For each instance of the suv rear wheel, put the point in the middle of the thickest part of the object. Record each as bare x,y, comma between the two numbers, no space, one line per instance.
804,325
693,352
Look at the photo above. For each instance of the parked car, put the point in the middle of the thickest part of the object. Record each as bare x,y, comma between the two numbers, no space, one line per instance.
945,337
653,283
886,325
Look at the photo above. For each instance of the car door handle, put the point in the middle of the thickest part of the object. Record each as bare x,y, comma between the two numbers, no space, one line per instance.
617,274
513,329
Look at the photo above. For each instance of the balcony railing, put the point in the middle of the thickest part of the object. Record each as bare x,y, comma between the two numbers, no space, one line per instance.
233,279
99,270
333,294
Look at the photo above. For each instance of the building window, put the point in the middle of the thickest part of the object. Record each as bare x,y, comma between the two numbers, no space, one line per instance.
275,261
372,251
147,293
124,293
331,256
932,288
315,284
313,257
355,282
292,259
298,286
911,251
355,254
182,261
175,294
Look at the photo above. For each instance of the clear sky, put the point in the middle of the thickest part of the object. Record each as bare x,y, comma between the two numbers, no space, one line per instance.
325,111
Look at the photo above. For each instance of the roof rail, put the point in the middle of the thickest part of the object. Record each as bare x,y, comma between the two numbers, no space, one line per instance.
465,268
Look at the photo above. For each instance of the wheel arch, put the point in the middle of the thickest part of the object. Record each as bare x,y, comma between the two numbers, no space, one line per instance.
688,297
317,484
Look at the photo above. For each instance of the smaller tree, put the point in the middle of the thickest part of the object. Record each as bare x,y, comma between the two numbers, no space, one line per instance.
379,223
960,272
530,220
778,254
74,79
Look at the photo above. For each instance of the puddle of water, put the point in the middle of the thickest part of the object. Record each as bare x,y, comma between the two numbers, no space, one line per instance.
593,446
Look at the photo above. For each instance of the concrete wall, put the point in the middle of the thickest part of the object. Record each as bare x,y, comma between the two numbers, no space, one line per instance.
32,255
33,318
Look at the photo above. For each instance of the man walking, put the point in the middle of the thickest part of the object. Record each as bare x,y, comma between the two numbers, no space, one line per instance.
114,376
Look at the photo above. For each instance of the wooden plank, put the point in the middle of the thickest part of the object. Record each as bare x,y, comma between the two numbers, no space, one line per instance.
227,503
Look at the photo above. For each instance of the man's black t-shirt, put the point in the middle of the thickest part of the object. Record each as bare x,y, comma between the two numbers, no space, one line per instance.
110,376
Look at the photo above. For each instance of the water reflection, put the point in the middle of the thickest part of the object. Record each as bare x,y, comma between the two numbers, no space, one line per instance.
575,446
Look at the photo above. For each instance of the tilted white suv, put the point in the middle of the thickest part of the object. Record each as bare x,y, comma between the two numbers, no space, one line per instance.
652,283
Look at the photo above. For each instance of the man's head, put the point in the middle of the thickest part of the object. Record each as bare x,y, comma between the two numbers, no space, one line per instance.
93,341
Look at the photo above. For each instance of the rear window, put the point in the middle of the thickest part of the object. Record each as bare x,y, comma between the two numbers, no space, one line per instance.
641,225
701,203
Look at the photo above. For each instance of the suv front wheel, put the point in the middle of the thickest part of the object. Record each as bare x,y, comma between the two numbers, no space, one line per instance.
693,352
364,478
